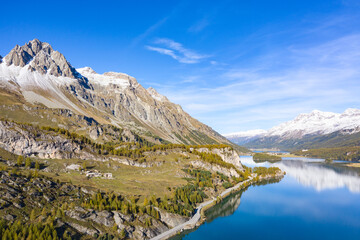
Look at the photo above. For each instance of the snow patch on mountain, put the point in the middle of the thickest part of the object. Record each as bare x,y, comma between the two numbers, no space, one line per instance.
31,82
318,122
314,123
119,79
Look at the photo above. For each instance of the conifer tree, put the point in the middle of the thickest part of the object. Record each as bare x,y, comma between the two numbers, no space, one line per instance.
146,202
32,215
20,161
37,165
28,162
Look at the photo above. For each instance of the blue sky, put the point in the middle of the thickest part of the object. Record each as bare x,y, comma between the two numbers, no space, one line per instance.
234,65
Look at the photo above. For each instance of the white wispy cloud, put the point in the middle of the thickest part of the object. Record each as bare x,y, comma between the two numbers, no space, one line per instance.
154,27
177,51
325,76
148,31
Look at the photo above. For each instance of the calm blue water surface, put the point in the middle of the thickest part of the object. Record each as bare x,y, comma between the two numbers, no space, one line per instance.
313,201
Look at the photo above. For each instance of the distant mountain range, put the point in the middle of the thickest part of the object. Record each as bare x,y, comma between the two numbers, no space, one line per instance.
36,82
310,130
246,136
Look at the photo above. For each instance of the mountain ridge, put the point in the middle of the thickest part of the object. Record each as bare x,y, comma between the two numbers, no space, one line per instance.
307,130
43,76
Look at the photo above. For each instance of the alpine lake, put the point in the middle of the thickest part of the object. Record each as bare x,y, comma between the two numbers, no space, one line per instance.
315,200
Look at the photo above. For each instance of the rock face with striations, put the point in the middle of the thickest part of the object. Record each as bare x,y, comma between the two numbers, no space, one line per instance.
227,155
43,75
24,140
41,58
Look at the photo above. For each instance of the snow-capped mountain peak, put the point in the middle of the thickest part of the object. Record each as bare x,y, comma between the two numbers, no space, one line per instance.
86,70
121,80
318,122
314,123
42,75
40,57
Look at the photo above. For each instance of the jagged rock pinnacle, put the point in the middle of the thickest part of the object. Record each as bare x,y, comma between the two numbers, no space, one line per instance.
40,57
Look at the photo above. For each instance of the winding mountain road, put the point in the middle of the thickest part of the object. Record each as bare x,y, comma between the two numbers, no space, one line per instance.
197,216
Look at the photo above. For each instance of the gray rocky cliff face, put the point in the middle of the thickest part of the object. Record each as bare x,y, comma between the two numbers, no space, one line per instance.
215,168
227,155
171,219
123,222
40,57
126,100
24,140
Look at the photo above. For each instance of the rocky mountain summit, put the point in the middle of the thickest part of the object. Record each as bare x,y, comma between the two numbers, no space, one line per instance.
315,126
40,57
318,122
37,74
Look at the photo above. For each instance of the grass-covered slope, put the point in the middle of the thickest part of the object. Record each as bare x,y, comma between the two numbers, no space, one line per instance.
60,200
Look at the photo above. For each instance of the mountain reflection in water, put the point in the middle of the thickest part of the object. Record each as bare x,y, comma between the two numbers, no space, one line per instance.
315,173
315,200
229,204
320,177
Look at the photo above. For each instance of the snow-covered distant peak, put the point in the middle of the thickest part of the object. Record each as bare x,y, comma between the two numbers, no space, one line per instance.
318,122
249,133
87,70
120,79
351,111
156,95
315,122
316,114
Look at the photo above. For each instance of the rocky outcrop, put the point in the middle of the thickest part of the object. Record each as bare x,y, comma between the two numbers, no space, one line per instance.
227,154
215,168
41,58
82,229
123,222
105,218
171,219
29,141
142,164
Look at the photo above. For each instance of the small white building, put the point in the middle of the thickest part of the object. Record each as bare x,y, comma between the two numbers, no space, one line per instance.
93,173
108,175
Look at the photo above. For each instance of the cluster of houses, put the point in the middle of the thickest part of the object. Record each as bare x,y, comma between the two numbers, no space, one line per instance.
89,173
96,173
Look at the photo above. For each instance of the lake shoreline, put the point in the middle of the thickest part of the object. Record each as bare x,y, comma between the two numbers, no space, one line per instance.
199,217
